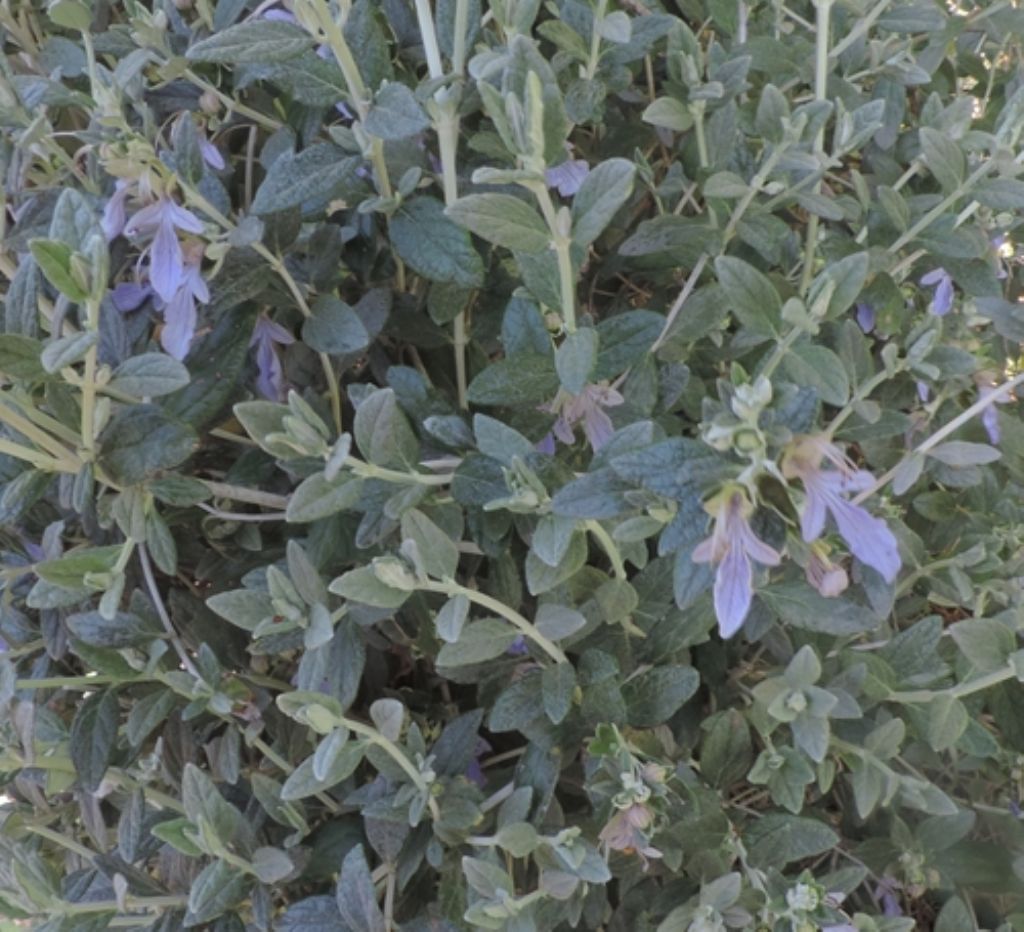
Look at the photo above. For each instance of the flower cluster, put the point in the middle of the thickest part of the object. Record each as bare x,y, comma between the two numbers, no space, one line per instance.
733,545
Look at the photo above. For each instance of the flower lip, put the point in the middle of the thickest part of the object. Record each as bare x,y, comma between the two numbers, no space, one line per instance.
868,537
732,545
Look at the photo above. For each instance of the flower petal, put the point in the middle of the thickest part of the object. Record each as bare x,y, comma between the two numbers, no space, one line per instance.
128,296
933,277
179,324
868,537
704,552
757,549
211,154
942,302
598,428
183,219
145,220
812,521
733,591
165,263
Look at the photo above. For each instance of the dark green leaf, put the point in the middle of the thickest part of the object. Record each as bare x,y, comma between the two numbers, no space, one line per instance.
92,738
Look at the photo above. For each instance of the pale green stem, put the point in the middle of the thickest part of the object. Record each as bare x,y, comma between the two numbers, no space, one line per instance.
610,548
131,903
861,26
361,100
230,104
960,691
57,838
756,184
862,393
68,682
563,246
370,471
499,608
821,70
448,140
677,305
92,309
251,496
939,209
48,443
459,39
161,610
697,109
397,755
428,34
594,59
779,353
942,433
39,460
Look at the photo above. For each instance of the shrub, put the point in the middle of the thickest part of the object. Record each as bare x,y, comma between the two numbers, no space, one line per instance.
512,466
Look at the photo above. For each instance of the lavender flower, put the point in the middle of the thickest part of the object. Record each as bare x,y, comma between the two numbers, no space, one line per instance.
475,772
518,648
942,300
211,154
868,538
865,316
270,380
587,407
568,176
626,831
990,416
732,545
128,296
827,577
113,219
163,218
180,312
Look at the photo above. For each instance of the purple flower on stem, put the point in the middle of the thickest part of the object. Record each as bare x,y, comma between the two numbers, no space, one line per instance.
163,218
923,391
827,577
732,545
865,316
128,296
942,300
568,176
112,222
990,417
266,334
180,312
588,406
475,771
868,537
211,154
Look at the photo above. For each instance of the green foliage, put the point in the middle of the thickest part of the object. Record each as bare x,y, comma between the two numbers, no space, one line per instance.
497,464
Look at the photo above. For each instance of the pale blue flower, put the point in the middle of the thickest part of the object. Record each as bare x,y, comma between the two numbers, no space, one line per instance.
112,222
211,154
129,296
180,313
868,537
163,219
586,407
865,316
568,176
270,378
732,545
942,300
990,416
